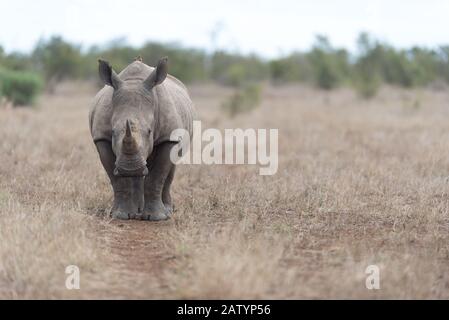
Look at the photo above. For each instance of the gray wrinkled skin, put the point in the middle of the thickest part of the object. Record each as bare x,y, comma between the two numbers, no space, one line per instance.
131,120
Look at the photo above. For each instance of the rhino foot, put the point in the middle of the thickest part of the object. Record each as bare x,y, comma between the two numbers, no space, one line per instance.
157,216
124,210
121,215
169,210
155,212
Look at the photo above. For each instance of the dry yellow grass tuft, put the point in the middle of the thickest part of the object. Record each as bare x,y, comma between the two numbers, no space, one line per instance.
359,183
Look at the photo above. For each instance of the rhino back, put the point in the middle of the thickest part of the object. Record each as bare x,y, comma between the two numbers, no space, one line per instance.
140,71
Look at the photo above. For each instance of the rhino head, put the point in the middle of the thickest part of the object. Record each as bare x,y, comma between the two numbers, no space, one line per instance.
132,122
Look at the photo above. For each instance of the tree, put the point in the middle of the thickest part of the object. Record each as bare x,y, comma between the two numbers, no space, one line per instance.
325,64
57,60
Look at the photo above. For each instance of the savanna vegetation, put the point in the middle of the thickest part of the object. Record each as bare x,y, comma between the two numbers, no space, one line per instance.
324,66
360,182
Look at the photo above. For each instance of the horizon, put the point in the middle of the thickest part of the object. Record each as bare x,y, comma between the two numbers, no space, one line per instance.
224,26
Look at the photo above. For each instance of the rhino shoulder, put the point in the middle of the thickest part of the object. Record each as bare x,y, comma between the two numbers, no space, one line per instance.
100,114
176,110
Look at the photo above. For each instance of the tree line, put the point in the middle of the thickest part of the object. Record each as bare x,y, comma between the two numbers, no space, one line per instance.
23,75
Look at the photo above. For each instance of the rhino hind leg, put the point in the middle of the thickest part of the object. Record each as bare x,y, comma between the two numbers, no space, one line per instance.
160,170
128,192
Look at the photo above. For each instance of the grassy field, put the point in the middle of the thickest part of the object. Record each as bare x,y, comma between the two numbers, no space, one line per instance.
359,183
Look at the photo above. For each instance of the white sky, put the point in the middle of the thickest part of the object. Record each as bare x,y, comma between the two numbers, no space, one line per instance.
269,28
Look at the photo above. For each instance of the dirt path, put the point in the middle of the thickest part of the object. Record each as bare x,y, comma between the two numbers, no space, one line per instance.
139,258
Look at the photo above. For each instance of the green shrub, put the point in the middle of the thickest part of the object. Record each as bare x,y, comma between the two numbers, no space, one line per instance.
326,76
367,85
330,66
57,60
324,65
235,70
21,88
367,76
243,100
293,68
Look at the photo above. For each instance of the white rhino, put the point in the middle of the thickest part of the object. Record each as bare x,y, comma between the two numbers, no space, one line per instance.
131,121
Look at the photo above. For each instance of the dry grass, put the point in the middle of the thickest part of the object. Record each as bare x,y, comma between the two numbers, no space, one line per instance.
359,183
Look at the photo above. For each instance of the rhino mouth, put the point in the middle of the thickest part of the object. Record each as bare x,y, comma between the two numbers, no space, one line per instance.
131,166
131,172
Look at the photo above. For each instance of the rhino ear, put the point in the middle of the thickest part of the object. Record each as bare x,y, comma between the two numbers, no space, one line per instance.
158,75
107,75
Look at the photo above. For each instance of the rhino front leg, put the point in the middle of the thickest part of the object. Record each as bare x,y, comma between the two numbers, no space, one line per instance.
166,196
128,197
128,191
159,167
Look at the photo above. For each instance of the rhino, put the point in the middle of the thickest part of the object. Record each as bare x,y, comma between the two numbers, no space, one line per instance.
131,120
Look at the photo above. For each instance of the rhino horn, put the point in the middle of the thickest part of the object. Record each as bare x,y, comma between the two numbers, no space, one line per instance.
130,146
128,129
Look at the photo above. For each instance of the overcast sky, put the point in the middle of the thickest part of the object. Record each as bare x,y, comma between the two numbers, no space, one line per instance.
269,28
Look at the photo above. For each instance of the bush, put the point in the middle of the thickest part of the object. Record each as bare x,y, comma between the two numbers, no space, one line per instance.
235,70
367,84
243,100
367,72
330,66
325,66
326,76
57,60
21,88
293,68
